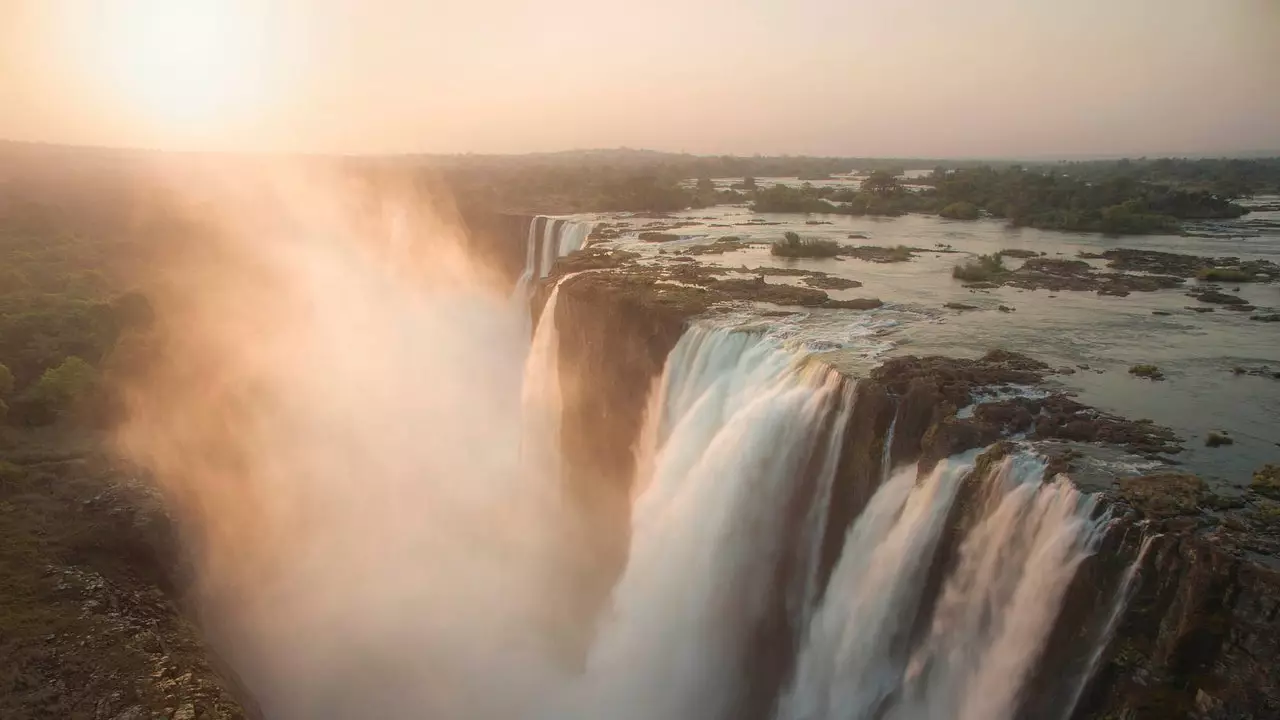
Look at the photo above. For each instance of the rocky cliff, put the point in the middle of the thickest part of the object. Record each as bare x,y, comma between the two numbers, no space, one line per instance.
1197,637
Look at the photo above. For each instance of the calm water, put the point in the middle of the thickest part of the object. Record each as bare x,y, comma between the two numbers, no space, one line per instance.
1196,352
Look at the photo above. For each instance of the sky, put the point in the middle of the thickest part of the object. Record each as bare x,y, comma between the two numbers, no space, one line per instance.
923,78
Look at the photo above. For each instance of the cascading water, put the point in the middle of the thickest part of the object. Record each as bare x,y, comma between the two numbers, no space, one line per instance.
738,421
558,237
989,624
404,546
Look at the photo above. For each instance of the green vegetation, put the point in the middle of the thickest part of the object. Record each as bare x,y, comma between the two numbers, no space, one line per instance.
960,211
1266,481
985,268
1054,199
1148,371
794,246
1225,275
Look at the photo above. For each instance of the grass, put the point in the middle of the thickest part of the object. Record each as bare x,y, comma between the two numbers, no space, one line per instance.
986,267
794,246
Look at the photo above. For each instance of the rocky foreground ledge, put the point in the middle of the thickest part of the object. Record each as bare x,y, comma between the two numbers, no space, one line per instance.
95,626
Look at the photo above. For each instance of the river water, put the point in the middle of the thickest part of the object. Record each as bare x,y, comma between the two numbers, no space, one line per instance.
1098,337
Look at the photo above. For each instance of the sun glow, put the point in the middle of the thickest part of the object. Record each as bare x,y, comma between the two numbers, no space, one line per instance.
187,64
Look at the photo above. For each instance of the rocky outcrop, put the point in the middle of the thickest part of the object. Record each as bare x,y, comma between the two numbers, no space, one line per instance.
93,625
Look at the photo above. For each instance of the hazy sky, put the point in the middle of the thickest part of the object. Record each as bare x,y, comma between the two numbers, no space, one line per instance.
832,77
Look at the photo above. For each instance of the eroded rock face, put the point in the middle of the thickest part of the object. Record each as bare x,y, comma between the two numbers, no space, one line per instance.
1199,638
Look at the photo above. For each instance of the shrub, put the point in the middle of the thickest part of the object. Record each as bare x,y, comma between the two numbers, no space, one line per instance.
1148,371
794,246
984,268
58,391
1225,275
960,211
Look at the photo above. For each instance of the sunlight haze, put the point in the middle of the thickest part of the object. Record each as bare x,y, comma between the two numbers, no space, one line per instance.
991,78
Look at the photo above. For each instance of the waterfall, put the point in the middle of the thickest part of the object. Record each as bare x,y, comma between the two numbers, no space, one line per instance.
541,401
1120,603
520,296
559,237
996,607
550,245
738,420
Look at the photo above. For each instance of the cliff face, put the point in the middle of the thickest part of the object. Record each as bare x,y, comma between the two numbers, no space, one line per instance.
1198,638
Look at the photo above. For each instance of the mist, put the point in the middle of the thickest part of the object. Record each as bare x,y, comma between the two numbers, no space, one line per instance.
335,419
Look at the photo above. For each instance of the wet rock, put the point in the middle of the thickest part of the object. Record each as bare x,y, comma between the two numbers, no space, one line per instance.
1164,495
830,282
981,285
1060,417
593,258
877,254
1006,309
658,237
1218,439
1259,371
959,306
1228,268
1268,317
1019,253
1209,295
854,304
1161,312
778,294
721,246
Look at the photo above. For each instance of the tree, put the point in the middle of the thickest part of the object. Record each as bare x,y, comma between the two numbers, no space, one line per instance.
58,391
960,211
881,183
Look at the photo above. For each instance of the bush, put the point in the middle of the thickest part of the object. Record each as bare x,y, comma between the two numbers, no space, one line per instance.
1225,275
960,211
1148,371
984,268
794,246
58,391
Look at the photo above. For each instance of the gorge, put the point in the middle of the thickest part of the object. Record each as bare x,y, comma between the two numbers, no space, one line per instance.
648,502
